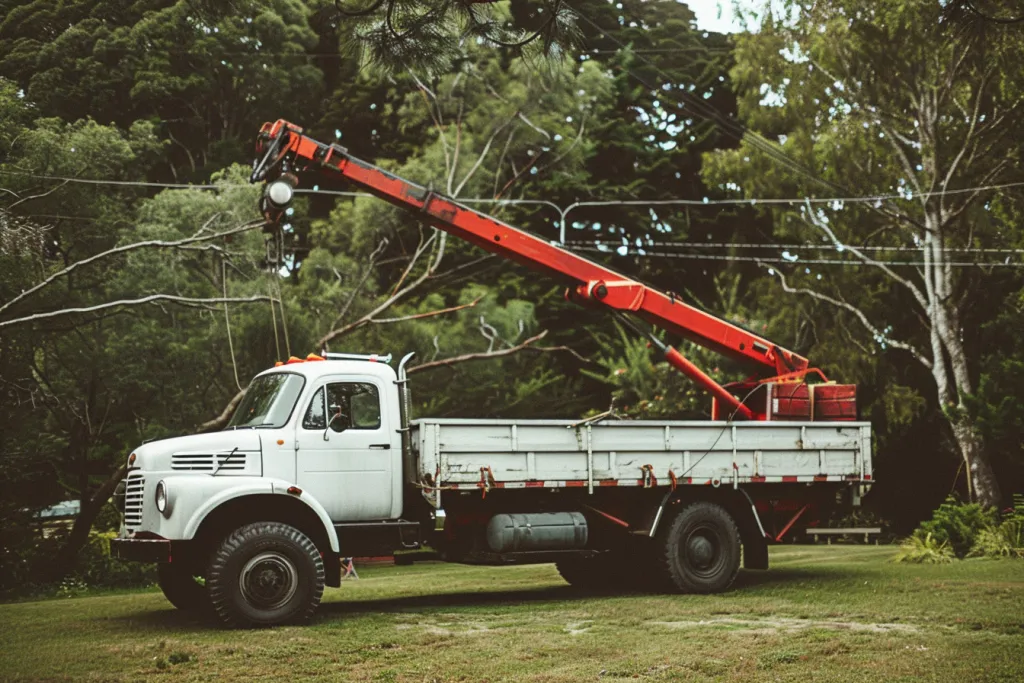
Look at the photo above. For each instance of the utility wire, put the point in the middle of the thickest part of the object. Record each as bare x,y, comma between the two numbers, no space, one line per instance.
489,200
817,247
969,4
125,183
729,126
783,261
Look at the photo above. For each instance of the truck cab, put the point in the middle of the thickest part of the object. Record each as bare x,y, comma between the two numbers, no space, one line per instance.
315,444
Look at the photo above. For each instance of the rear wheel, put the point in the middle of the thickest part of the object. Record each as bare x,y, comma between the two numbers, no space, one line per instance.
700,550
181,588
265,574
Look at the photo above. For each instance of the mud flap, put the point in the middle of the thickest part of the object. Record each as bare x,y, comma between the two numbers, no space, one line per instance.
755,546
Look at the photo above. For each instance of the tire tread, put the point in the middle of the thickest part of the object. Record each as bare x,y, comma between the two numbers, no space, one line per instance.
218,583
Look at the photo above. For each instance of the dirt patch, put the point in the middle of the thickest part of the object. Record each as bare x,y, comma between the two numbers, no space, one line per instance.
577,627
448,628
785,624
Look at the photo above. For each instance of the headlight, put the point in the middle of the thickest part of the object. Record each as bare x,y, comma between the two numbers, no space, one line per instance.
161,498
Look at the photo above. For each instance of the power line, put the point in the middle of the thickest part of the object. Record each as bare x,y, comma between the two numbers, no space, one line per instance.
801,200
608,202
128,183
574,244
729,126
782,261
969,4
816,247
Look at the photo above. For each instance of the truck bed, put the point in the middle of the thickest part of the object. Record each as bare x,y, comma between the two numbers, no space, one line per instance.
484,454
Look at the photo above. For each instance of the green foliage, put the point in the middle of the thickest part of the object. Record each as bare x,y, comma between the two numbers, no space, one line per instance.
925,549
957,524
24,568
205,76
1003,540
394,35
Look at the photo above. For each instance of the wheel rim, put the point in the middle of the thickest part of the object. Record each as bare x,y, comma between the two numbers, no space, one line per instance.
268,580
702,551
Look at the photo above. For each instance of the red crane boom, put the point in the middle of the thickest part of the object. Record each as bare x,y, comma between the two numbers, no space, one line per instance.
284,154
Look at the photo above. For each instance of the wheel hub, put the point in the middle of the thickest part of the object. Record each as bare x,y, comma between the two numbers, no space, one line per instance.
700,552
268,580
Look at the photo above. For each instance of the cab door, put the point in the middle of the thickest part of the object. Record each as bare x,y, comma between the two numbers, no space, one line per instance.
344,456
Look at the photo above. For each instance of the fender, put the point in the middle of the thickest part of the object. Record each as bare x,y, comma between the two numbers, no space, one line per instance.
213,497
755,546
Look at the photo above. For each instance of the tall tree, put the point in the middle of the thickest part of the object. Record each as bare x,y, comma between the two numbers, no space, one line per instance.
203,74
883,98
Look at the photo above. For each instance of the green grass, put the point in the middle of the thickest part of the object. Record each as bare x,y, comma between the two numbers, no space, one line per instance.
834,613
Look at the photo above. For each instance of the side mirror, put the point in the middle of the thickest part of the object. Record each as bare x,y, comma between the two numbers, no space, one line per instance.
330,425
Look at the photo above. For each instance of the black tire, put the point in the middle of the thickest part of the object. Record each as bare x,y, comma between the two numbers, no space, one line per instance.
699,551
265,574
181,588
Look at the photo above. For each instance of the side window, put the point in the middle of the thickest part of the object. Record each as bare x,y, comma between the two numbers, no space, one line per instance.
365,406
314,417
349,405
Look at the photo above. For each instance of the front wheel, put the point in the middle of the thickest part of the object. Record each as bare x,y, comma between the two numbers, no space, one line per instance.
700,550
265,574
181,588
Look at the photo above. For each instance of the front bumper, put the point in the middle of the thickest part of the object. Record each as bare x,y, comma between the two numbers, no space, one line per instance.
141,549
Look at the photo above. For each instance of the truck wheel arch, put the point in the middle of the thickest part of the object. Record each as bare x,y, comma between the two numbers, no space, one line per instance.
275,496
740,507
229,512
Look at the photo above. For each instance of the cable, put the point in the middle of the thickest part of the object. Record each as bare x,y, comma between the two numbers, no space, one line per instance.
227,320
637,330
782,261
825,247
969,4
794,200
725,427
608,202
729,126
129,183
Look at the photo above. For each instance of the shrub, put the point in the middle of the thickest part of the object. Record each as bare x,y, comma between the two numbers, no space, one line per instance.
1005,539
926,549
25,567
958,524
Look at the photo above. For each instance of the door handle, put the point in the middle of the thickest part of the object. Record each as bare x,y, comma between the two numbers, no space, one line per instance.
380,447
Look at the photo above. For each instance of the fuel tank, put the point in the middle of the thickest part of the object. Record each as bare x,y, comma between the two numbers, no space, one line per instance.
520,532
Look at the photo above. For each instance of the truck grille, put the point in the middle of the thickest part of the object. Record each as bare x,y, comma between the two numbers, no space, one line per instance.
204,462
133,498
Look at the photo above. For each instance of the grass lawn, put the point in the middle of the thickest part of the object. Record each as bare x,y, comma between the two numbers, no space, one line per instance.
827,613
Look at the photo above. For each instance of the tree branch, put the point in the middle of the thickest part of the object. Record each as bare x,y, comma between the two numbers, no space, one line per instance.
225,415
876,333
37,196
465,358
129,247
479,160
810,218
428,314
134,302
362,280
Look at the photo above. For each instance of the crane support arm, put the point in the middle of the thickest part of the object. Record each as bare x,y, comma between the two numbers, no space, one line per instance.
285,154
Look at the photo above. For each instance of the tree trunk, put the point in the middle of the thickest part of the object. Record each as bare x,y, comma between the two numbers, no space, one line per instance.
981,477
64,562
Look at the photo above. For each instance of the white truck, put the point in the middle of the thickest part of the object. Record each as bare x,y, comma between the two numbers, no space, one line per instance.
321,460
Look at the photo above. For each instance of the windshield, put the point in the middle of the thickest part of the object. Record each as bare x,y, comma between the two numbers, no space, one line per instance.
268,401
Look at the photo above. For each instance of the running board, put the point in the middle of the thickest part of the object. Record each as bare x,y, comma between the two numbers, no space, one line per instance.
373,538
